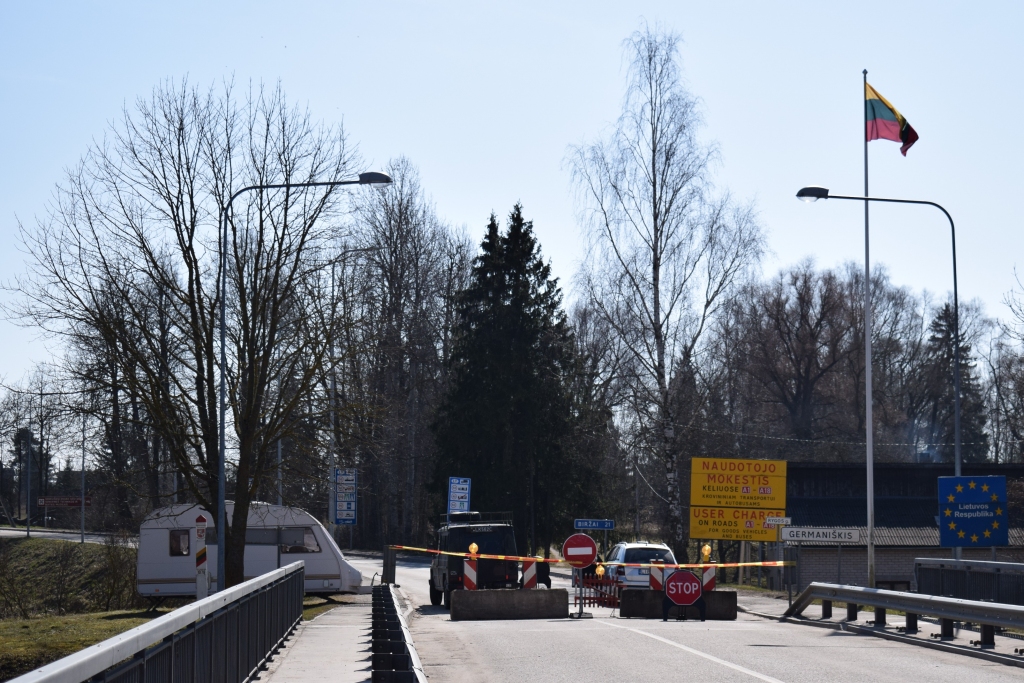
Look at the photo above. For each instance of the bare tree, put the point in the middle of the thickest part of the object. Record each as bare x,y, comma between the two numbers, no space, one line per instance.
664,252
128,255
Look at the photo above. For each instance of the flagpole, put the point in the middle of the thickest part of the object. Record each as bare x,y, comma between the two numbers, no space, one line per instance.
868,403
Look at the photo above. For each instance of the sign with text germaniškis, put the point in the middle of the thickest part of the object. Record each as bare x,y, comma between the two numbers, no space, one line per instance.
972,512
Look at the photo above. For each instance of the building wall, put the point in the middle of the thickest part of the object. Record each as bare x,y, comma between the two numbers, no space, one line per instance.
894,567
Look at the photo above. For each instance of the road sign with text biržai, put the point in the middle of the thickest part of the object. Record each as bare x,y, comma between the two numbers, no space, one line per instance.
345,482
459,489
973,512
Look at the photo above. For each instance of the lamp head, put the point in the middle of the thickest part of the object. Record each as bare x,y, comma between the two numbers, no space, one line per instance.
812,193
374,179
599,571
473,547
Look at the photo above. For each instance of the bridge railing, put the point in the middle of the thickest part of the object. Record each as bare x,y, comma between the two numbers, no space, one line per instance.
948,610
225,637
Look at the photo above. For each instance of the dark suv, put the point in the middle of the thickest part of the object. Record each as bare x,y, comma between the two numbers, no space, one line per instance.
493,535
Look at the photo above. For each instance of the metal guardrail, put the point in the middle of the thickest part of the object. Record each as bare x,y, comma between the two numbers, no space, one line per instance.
971,580
226,637
948,610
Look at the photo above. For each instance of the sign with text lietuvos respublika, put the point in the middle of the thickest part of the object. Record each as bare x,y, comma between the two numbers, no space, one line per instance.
972,512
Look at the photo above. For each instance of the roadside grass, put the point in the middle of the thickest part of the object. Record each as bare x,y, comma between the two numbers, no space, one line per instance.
28,644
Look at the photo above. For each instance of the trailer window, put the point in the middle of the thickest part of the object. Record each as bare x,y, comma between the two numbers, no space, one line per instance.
179,541
299,540
261,536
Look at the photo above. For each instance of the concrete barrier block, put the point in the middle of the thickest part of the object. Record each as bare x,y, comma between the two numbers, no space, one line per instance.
509,604
646,604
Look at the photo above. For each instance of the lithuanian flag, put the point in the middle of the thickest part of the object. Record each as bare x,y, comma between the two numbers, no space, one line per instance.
884,122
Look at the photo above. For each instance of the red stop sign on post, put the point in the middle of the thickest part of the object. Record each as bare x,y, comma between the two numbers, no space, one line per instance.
579,550
682,588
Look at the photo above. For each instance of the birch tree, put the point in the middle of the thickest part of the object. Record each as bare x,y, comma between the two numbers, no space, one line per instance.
664,250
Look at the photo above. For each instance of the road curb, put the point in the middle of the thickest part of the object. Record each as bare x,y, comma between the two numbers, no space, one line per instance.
1008,660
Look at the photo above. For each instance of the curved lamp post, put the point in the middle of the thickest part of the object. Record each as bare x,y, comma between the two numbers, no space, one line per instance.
814,193
372,178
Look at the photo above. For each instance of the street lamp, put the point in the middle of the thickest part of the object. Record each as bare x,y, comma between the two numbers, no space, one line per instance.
371,178
814,193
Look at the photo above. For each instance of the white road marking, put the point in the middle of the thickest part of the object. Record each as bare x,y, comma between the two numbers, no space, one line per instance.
705,655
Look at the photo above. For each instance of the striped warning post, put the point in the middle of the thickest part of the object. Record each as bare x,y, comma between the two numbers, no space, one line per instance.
709,579
529,574
469,574
657,577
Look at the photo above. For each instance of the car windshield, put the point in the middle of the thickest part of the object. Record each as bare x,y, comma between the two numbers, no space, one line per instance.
646,555
490,540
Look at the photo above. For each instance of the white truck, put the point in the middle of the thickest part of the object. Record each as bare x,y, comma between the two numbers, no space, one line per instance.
277,536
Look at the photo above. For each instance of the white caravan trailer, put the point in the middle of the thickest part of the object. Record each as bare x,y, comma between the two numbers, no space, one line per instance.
277,536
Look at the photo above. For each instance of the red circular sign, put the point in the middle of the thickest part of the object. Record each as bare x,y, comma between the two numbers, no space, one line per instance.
579,550
682,588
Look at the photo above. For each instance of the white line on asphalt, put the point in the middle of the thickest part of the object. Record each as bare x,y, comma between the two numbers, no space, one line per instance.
705,655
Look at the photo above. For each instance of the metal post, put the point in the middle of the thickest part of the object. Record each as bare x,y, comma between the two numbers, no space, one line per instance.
280,486
83,477
222,532
839,566
28,486
868,403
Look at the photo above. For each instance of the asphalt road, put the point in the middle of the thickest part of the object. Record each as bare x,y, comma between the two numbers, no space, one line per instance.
613,649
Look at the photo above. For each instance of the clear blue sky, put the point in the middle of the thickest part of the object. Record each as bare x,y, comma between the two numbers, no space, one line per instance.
486,97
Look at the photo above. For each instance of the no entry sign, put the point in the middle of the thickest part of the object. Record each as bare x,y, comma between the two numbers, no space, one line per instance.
682,588
579,550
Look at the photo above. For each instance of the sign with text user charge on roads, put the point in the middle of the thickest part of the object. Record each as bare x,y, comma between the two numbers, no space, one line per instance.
345,482
734,483
458,494
733,524
972,512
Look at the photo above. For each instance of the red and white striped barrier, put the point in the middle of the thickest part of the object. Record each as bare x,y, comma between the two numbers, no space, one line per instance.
529,574
657,577
469,574
709,579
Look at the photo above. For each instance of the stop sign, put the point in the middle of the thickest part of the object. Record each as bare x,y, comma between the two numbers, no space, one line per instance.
579,550
682,588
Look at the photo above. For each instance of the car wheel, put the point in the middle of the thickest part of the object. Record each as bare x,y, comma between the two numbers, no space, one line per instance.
435,595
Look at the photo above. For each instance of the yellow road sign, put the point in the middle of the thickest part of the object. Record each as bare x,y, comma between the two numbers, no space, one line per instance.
730,482
733,524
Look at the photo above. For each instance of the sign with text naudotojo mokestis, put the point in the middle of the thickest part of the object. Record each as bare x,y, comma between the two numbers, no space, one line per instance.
735,483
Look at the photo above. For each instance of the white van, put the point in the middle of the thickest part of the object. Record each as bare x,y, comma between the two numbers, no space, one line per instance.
276,536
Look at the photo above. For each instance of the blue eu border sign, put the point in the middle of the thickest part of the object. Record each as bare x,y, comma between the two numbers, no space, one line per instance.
596,524
345,481
458,494
972,512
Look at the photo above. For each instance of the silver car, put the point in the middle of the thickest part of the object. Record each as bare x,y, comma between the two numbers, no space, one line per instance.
636,553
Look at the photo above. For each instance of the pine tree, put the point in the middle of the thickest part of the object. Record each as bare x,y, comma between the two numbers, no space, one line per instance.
939,388
507,413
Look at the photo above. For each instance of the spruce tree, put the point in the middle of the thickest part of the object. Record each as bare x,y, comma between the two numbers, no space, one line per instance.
939,390
507,413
